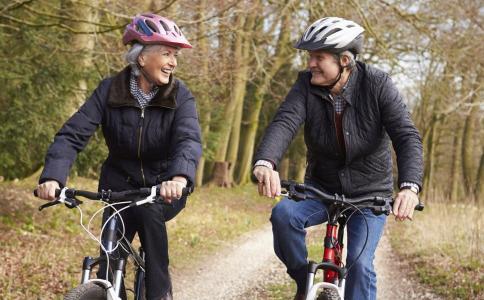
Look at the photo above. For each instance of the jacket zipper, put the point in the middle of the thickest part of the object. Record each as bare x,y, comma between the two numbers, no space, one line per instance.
139,144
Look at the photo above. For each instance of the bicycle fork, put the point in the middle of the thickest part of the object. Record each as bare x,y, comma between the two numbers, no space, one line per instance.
334,273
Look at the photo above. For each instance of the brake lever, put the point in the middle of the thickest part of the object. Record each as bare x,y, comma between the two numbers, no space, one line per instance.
48,204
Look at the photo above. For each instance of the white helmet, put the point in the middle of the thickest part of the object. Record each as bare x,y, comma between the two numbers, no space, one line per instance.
332,34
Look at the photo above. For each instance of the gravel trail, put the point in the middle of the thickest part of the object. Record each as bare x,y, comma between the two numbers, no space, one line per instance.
244,269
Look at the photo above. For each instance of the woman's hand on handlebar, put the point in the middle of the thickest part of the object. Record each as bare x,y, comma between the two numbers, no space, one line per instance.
47,189
172,189
269,183
404,205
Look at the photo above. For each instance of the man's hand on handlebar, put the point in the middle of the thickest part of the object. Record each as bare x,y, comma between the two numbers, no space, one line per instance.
269,183
47,189
172,189
404,205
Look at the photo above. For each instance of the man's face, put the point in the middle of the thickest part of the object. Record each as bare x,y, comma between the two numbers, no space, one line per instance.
323,66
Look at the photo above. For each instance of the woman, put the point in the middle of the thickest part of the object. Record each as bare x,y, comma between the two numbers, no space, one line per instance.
150,124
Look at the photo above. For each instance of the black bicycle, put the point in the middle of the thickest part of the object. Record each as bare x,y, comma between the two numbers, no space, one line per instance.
340,209
111,239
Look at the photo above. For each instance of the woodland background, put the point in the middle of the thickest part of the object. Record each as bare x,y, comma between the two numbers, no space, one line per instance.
54,53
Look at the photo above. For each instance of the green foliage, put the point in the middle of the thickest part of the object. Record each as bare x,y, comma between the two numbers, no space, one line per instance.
39,75
29,112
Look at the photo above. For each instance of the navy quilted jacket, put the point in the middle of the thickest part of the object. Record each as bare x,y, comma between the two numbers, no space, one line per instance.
146,146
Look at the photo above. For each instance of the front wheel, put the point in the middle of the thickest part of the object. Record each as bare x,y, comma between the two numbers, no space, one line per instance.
86,291
328,294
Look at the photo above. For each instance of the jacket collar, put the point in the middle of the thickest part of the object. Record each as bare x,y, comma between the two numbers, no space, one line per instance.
119,94
350,86
348,89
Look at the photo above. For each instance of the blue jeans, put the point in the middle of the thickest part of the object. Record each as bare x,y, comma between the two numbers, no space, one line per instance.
289,220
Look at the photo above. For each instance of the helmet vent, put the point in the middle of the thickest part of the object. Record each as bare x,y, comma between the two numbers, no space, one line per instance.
177,30
164,26
333,31
144,28
152,26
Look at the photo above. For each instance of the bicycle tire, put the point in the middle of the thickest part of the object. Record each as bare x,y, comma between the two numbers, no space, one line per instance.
328,294
86,291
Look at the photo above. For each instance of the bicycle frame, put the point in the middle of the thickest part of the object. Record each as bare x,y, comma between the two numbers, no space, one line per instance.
109,240
338,206
334,272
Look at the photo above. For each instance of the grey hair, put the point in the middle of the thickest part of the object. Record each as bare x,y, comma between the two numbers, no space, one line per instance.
131,57
134,52
351,57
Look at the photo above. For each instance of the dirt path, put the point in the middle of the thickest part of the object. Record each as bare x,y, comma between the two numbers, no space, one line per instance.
393,278
243,270
231,272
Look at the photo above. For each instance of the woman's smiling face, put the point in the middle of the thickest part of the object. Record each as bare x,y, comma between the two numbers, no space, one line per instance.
159,62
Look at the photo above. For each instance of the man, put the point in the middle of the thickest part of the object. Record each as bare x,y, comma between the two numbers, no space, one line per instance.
351,112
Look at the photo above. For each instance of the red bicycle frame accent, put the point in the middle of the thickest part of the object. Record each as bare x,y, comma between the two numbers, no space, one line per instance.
332,251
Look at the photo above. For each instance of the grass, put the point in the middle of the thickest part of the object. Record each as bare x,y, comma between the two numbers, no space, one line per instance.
43,251
445,248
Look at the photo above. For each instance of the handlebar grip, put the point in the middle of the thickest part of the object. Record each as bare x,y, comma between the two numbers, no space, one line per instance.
57,193
420,207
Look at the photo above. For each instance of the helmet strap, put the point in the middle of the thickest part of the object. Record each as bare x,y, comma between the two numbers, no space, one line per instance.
330,86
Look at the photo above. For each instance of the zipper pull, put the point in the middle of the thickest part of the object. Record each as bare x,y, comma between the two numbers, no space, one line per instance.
142,113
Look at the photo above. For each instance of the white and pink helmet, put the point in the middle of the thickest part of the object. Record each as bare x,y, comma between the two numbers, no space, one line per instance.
149,29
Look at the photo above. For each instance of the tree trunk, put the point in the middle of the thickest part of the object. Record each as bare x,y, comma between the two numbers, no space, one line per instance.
430,159
281,56
230,107
480,181
456,178
203,100
233,110
468,147
81,43
221,176
235,138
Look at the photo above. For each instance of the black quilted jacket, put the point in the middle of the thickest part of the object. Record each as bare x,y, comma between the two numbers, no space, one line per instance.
375,114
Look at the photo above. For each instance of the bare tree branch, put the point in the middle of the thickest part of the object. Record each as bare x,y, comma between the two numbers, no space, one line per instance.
70,18
15,5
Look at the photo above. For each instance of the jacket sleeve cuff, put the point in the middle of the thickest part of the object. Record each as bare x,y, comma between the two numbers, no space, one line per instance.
58,171
406,183
182,167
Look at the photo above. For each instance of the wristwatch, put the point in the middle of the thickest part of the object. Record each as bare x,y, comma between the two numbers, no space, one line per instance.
411,186
264,163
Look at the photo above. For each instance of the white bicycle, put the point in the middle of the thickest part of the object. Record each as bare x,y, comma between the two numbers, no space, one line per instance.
116,249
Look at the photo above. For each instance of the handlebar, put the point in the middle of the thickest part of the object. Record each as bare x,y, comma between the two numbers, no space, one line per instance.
68,196
297,191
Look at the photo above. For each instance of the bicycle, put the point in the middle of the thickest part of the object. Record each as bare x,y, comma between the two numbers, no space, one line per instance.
111,238
340,209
